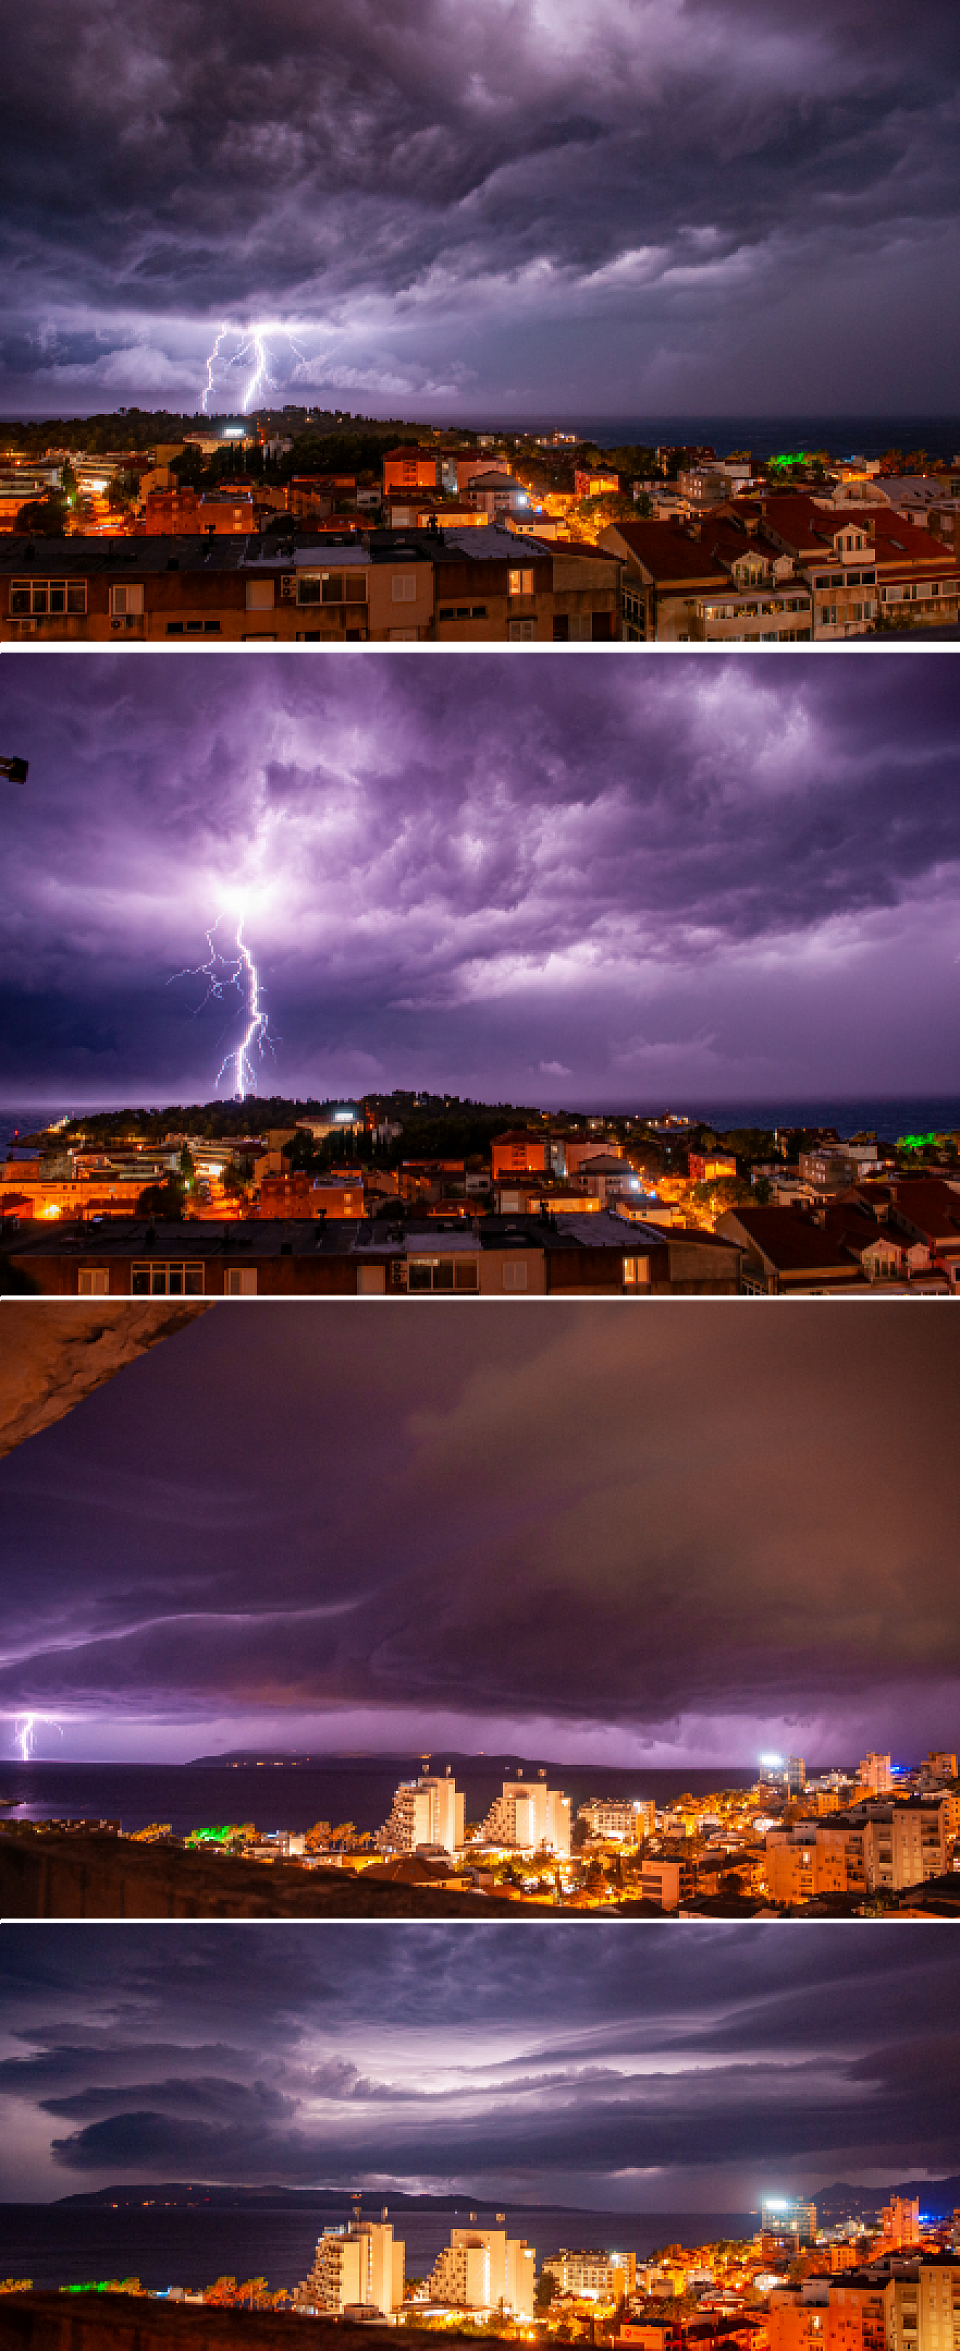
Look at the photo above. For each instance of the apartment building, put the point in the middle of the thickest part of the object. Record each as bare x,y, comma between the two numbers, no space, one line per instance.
863,565
527,1815
360,2268
777,568
597,1255
707,581
346,587
595,2276
484,2269
426,1812
623,1820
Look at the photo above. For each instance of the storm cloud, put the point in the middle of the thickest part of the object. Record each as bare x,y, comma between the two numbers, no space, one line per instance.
553,880
668,2073
734,201
684,1532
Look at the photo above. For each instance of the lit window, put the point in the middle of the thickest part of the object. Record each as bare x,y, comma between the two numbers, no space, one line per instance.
636,1272
520,583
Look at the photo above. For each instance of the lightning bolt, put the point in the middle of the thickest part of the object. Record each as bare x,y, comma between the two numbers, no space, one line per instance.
212,358
24,1730
238,971
254,344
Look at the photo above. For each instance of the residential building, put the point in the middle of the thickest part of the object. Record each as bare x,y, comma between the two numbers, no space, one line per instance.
356,2268
596,1255
863,565
594,2276
485,2270
710,581
426,1812
338,587
900,2223
904,1844
528,1815
623,1820
786,1253
792,2216
667,1882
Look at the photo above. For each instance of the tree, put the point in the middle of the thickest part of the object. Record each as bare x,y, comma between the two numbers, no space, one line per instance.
546,2290
164,1199
43,518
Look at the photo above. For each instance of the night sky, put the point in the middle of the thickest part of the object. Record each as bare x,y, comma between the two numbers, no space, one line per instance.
659,1532
526,205
678,2070
604,881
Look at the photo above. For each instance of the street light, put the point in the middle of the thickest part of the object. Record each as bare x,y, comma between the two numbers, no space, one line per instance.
15,770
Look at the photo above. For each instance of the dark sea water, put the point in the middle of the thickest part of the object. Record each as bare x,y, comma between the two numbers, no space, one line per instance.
768,436
60,2246
295,1795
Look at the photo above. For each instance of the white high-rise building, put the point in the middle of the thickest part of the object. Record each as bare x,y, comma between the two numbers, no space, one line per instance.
425,1812
360,2267
483,2269
527,1815
875,1773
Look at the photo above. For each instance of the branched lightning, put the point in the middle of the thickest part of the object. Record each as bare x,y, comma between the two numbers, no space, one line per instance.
24,1730
254,344
212,358
237,970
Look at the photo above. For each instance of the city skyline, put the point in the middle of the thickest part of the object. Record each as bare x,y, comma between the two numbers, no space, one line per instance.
546,881
380,212
332,1530
367,2057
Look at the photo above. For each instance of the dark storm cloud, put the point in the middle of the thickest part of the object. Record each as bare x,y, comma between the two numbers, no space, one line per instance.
606,1517
666,2071
423,193
548,879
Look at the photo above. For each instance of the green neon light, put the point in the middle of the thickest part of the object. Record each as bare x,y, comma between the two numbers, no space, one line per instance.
916,1142
211,1836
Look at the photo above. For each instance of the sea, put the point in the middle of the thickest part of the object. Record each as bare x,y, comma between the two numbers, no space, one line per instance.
297,1791
61,2245
886,1116
763,436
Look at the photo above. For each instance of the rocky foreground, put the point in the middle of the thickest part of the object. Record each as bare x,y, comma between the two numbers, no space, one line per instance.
53,1354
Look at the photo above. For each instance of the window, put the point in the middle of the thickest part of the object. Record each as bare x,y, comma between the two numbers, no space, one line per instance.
403,587
520,583
404,636
127,600
522,632
93,1281
515,1273
166,1281
39,597
260,595
636,1272
442,1273
241,1281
